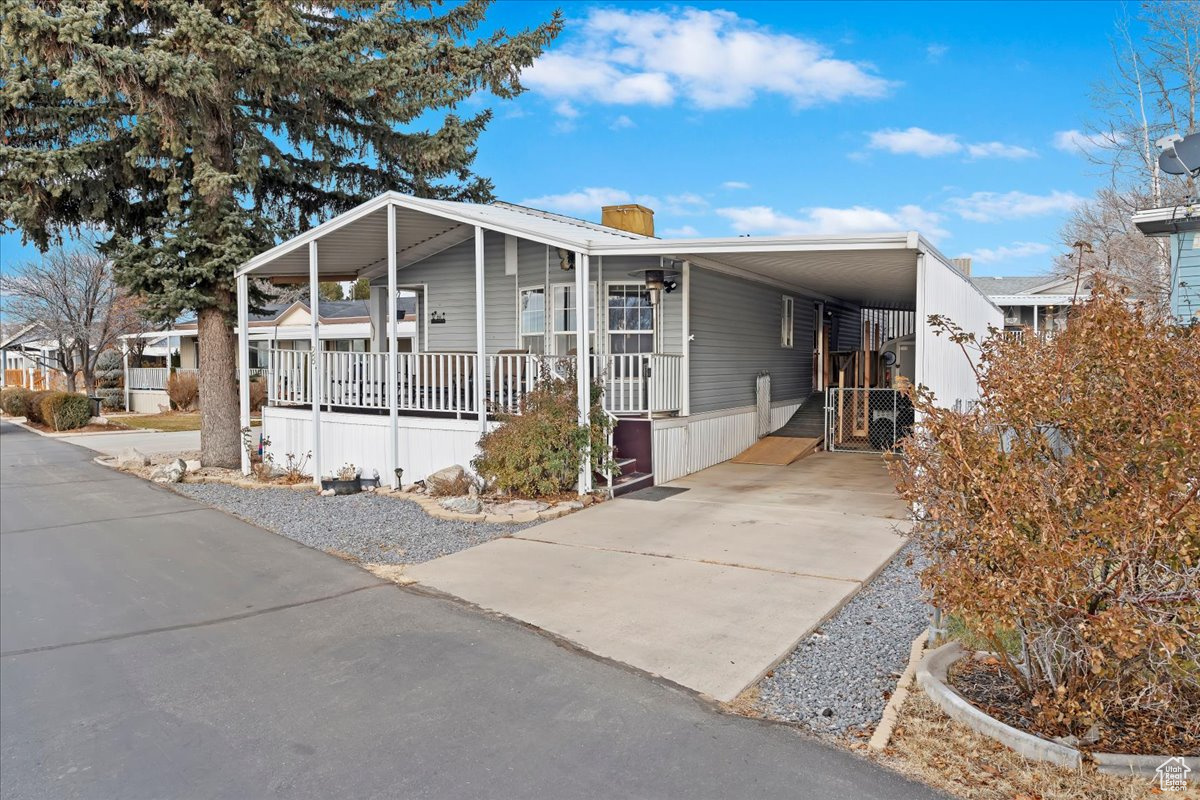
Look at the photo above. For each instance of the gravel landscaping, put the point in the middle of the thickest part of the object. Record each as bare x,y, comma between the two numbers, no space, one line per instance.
368,527
839,678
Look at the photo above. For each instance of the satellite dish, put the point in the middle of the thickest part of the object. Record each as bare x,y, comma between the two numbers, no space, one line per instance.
1187,152
1181,157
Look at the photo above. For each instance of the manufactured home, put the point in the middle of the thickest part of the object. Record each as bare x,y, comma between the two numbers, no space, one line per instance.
702,345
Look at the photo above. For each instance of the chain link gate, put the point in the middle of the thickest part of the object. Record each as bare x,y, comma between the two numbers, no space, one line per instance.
866,420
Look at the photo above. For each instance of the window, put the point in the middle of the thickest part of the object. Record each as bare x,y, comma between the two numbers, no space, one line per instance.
532,319
563,325
787,324
630,319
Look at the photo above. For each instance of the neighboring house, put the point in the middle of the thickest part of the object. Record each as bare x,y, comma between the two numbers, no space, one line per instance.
29,358
1037,302
702,345
1179,226
345,326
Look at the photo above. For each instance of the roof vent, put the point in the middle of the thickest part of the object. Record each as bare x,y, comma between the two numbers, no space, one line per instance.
630,217
963,265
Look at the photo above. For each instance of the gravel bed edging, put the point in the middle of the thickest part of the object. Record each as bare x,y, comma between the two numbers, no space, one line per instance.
835,680
931,676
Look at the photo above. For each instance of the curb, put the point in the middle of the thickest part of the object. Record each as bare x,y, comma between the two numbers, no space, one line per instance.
931,676
891,712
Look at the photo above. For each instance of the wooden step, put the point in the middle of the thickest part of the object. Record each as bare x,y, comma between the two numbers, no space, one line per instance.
631,483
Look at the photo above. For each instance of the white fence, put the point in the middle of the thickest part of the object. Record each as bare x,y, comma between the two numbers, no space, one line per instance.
445,382
147,378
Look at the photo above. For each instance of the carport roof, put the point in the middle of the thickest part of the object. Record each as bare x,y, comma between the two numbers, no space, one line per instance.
877,269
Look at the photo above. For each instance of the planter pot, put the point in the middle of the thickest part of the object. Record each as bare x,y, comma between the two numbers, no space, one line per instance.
365,483
352,486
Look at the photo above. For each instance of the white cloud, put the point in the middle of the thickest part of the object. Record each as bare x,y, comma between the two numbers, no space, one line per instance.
934,52
686,203
993,206
622,122
1078,142
565,109
915,141
856,219
587,201
927,144
735,185
989,255
710,59
999,150
681,232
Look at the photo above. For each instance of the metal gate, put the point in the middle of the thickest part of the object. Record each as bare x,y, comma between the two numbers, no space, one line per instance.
762,391
866,420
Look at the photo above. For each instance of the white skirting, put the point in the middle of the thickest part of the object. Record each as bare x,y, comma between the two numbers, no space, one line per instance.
426,445
149,401
684,445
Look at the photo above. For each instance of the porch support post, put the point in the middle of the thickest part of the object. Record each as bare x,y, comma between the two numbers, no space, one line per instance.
685,380
583,381
243,342
315,376
125,369
393,373
1035,319
480,334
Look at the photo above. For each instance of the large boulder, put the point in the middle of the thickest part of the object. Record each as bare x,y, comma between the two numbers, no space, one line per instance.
171,472
451,480
132,458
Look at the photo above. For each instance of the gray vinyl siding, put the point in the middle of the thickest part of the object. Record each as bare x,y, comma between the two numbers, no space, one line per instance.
847,327
736,328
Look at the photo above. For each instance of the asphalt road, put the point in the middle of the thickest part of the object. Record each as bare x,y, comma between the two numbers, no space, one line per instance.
155,648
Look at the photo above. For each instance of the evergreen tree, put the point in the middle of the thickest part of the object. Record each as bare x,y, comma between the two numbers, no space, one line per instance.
360,289
199,132
330,290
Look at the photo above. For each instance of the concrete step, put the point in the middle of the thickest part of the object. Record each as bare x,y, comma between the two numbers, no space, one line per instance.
631,483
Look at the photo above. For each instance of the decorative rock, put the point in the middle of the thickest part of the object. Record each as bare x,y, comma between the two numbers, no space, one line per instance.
587,500
448,476
463,505
131,458
193,466
571,505
171,472
514,507
497,518
528,516
327,493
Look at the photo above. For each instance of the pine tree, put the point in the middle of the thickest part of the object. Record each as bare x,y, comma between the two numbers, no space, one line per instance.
198,133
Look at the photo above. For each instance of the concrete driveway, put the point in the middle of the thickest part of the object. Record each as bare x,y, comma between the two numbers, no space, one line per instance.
708,587
149,442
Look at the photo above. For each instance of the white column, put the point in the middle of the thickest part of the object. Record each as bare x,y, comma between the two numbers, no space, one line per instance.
314,393
1035,319
480,334
393,363
685,401
243,342
125,371
583,361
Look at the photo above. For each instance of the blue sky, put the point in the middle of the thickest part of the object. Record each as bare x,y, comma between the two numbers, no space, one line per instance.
958,119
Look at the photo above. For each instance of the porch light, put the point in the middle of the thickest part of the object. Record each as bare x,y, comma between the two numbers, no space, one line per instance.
655,283
566,260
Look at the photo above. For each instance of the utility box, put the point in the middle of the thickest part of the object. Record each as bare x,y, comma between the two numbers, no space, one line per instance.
631,217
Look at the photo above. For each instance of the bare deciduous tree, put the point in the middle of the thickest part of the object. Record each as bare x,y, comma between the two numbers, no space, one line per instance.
1153,92
73,294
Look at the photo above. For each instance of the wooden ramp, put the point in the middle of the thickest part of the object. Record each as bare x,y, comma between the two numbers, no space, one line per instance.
777,450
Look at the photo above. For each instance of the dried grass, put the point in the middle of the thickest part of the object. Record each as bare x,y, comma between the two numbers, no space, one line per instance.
931,747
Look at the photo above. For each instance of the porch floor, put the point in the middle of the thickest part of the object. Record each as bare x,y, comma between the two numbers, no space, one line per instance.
708,587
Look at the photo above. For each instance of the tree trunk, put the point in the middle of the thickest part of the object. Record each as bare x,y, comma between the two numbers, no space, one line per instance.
220,434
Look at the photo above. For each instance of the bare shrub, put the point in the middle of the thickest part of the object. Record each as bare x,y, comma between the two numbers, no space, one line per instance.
455,487
539,452
184,390
1062,508
258,394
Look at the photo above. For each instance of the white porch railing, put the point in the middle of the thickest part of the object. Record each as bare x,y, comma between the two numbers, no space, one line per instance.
147,378
445,382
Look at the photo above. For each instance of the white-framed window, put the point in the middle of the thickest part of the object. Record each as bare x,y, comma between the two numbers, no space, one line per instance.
531,315
563,317
787,323
630,318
